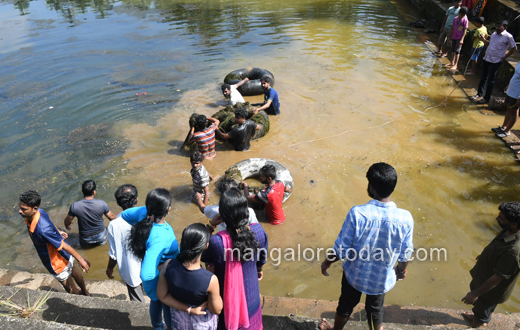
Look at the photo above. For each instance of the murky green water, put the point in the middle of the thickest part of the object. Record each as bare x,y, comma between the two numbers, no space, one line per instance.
354,81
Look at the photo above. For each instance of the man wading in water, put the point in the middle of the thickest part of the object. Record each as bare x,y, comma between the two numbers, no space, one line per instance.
373,238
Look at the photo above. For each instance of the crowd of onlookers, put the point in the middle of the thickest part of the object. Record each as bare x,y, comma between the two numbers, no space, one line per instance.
499,46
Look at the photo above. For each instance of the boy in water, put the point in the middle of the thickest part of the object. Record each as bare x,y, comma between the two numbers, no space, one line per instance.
204,136
271,103
230,92
478,45
201,178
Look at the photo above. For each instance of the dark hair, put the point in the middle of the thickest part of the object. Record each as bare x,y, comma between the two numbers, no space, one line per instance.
463,10
196,157
233,210
383,178
88,187
511,210
31,198
504,24
126,196
266,79
158,201
225,86
195,237
226,184
481,20
269,171
241,113
200,122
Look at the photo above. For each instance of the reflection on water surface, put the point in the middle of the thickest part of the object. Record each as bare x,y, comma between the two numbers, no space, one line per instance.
71,72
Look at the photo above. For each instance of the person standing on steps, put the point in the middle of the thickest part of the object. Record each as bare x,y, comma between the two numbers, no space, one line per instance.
497,46
494,275
56,255
385,233
445,32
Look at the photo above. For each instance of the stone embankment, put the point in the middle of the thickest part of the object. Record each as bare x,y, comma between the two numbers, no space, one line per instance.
109,308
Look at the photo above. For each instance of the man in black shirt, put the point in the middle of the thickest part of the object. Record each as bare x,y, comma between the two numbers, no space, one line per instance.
241,135
496,271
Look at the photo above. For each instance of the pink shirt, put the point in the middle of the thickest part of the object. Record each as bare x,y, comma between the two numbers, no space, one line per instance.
498,44
459,27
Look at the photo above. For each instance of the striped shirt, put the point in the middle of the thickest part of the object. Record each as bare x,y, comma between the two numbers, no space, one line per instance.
200,178
373,238
206,142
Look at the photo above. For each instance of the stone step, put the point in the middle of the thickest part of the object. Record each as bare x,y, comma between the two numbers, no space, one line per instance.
292,313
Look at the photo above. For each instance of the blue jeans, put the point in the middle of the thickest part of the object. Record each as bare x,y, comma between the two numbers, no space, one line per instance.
156,306
94,240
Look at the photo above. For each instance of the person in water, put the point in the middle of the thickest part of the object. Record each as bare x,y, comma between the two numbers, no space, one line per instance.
271,103
241,135
231,92
201,178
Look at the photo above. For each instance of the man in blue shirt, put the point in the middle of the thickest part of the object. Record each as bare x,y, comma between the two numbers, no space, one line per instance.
374,237
56,255
271,103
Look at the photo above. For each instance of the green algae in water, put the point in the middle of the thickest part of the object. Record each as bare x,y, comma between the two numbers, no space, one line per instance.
226,116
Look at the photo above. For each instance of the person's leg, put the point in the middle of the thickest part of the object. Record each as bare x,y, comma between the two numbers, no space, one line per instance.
80,281
199,198
493,68
481,316
511,114
374,308
156,315
483,78
136,293
347,301
441,41
69,285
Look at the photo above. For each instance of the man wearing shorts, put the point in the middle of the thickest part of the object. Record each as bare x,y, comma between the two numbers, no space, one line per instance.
478,45
56,255
513,102
374,237
445,31
90,211
458,32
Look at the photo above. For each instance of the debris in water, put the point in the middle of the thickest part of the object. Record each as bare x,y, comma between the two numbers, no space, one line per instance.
140,94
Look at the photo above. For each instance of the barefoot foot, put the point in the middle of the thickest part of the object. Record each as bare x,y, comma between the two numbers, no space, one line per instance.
470,319
325,325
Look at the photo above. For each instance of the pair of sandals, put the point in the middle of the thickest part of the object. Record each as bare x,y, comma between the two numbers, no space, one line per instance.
440,54
475,97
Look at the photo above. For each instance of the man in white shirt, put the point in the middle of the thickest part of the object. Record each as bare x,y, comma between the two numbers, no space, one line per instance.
497,45
118,234
230,92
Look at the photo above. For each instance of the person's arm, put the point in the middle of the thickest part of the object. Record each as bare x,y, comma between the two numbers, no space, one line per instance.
325,265
63,234
241,82
224,136
110,267
83,263
288,189
509,53
443,23
490,283
258,127
110,215
134,214
463,35
68,221
246,193
215,303
211,178
191,139
484,39
263,107
206,195
166,298
214,120
400,270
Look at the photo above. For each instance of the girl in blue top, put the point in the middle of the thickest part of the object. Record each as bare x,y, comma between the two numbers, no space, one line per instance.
152,240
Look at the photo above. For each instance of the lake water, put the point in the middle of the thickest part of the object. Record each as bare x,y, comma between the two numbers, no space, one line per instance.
354,82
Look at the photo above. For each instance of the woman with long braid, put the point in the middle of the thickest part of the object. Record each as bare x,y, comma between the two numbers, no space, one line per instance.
153,241
238,255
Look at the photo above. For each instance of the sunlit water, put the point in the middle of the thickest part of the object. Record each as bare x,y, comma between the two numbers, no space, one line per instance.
354,81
